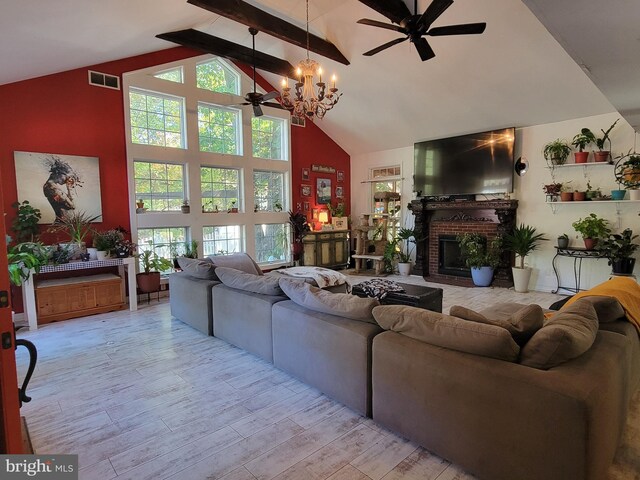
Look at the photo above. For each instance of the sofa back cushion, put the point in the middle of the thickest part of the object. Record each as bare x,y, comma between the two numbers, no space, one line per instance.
521,321
249,282
608,309
448,332
239,261
340,304
202,269
567,334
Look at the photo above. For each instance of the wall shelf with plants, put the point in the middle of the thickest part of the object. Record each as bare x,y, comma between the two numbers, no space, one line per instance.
617,203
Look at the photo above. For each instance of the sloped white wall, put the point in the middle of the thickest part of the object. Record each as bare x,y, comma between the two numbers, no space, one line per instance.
528,190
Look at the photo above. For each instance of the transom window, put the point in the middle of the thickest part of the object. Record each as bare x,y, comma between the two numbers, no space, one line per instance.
220,188
268,138
272,243
268,188
171,75
223,239
159,185
156,119
219,129
163,241
216,76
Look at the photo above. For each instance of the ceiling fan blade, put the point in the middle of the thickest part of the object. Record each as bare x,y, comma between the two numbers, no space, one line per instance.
257,111
218,46
434,11
463,29
375,23
269,96
394,10
273,105
424,49
384,46
243,12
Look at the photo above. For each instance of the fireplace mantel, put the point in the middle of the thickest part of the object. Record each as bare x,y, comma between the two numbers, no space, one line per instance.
425,212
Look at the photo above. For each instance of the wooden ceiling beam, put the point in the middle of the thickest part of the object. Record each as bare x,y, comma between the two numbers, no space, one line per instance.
251,16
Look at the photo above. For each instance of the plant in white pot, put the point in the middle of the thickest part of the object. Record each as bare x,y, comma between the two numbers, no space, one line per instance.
522,241
77,225
404,239
481,257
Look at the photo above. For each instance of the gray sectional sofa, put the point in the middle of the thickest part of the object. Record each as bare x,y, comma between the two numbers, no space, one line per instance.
463,387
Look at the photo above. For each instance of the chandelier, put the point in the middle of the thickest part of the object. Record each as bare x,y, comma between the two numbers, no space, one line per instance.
306,102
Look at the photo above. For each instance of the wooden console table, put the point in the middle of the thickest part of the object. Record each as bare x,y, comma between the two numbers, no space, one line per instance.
578,254
28,287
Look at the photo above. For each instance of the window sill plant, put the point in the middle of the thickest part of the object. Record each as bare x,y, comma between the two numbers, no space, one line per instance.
522,241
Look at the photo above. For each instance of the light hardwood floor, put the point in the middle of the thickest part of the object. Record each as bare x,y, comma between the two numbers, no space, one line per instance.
142,396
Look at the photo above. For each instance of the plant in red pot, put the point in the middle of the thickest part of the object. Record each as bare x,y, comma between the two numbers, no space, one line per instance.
149,279
592,228
603,155
580,141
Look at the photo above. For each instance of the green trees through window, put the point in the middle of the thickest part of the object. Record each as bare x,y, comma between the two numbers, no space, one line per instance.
267,137
214,75
220,189
160,185
155,119
219,129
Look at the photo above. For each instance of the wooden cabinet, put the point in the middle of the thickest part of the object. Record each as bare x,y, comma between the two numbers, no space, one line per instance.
326,249
63,298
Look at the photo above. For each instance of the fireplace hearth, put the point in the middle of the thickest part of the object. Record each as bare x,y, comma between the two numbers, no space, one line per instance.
450,261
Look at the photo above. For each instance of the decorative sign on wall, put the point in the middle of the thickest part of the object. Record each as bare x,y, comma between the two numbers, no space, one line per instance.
305,190
57,184
323,190
340,176
322,169
305,172
339,192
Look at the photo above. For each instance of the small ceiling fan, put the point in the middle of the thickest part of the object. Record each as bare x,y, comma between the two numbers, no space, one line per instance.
255,98
416,26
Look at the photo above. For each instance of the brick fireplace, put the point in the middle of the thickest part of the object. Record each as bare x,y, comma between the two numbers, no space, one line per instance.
439,222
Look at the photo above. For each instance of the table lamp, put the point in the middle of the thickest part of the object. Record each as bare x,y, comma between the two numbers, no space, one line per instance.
323,217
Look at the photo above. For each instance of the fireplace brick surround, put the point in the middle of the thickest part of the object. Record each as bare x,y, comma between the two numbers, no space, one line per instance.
433,219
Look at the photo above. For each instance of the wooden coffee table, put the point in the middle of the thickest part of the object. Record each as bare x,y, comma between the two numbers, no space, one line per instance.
418,296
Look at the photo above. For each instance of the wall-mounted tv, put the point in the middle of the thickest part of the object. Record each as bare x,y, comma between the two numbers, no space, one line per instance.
478,163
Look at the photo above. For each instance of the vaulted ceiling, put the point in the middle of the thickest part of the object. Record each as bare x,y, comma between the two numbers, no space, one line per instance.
516,73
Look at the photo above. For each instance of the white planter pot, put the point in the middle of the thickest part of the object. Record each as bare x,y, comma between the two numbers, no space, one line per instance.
92,253
634,194
521,277
404,269
101,255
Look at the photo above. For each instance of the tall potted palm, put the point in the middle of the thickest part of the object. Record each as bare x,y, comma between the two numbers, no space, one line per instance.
404,238
522,241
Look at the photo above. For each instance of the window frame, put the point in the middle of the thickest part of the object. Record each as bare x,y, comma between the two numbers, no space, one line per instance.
284,145
225,66
238,127
163,96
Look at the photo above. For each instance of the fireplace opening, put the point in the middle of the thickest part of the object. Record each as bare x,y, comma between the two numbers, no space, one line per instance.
450,260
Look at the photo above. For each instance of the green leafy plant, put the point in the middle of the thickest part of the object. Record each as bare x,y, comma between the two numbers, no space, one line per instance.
600,141
107,240
191,249
582,139
618,246
25,225
299,225
557,152
24,257
76,224
591,226
404,239
627,170
552,188
338,211
60,255
477,252
151,262
523,240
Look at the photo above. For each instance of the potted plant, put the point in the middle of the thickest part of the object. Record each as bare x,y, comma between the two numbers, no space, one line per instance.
149,279
566,195
481,258
563,240
299,228
140,206
191,249
403,240
105,242
77,225
232,209
185,208
25,225
580,141
592,228
557,152
552,189
522,241
24,257
124,248
593,193
603,155
627,173
619,248
579,196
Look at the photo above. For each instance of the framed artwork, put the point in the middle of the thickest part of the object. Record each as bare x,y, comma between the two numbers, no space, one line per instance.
323,190
305,206
339,192
305,174
316,214
57,184
340,176
339,223
305,190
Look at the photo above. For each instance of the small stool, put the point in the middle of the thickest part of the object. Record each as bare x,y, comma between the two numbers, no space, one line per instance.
378,262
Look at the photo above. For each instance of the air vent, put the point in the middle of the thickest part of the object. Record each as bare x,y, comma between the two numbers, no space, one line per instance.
104,80
298,121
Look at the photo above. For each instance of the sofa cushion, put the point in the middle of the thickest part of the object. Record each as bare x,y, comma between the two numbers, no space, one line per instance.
197,268
249,282
239,261
340,304
566,335
447,331
608,309
522,321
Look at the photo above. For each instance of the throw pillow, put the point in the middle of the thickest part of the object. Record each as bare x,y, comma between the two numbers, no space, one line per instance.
196,268
249,282
239,261
608,309
340,304
566,335
521,323
448,332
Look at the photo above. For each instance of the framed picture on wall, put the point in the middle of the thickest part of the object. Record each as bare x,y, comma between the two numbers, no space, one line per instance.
305,174
305,190
305,206
340,175
323,190
315,214
339,223
339,192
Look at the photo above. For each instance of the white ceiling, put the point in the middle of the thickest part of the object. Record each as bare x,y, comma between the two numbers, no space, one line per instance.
516,73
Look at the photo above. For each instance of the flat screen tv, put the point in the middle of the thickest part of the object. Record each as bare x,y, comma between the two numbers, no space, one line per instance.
478,163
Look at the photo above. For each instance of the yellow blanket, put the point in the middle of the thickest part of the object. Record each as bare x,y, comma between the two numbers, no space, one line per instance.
625,289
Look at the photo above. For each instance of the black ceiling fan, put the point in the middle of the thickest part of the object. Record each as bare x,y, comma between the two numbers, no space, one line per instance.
255,98
415,26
